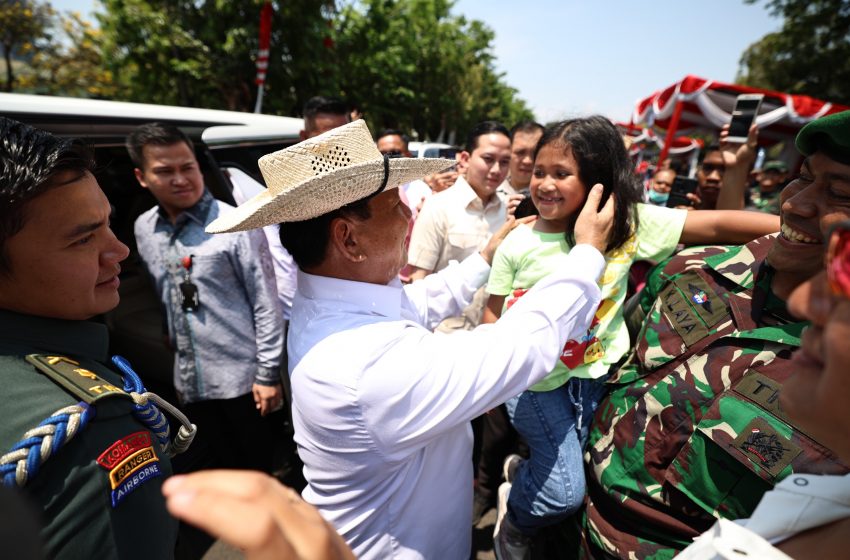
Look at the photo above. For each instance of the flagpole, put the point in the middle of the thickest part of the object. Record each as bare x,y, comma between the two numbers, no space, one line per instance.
263,52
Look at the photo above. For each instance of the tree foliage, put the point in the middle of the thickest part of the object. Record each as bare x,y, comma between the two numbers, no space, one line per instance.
23,24
405,63
809,55
69,62
408,64
415,66
202,53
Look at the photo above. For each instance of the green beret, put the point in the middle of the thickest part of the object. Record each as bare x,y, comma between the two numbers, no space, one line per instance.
830,135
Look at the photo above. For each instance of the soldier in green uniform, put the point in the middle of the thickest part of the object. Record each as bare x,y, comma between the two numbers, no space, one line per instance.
771,180
76,444
692,430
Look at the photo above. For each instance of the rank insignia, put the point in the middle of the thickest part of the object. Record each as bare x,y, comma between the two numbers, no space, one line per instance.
131,461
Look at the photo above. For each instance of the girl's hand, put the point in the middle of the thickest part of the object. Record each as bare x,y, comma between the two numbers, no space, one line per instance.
592,227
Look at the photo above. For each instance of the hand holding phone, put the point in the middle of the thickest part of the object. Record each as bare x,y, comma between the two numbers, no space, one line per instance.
746,108
682,187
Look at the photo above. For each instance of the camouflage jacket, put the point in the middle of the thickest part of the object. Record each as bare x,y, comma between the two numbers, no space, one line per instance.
692,429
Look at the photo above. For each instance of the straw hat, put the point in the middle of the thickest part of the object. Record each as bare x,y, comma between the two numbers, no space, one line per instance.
322,174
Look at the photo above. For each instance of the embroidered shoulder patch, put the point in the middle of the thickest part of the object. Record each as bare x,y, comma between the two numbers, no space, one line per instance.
77,380
131,461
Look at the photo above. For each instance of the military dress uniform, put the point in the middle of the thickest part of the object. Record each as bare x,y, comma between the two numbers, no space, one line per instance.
100,492
692,429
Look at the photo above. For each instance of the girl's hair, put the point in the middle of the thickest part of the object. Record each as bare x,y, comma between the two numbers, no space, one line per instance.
602,158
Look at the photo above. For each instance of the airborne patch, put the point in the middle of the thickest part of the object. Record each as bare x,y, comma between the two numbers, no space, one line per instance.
131,462
766,447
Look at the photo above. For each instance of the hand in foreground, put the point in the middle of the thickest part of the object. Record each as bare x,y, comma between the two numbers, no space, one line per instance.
254,512
268,398
594,227
500,235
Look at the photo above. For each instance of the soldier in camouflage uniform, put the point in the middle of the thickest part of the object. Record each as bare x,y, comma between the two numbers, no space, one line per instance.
692,429
771,180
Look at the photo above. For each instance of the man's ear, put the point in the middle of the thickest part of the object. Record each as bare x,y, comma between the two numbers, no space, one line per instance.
462,156
140,177
343,240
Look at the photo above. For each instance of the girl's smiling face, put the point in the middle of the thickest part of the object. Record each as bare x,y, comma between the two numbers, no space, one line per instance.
556,189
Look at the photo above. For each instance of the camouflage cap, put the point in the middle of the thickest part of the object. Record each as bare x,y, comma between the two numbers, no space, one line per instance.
830,135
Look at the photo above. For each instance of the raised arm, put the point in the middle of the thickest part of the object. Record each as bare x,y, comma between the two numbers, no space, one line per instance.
738,159
727,227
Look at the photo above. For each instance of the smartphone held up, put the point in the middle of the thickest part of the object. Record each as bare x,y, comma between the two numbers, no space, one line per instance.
746,109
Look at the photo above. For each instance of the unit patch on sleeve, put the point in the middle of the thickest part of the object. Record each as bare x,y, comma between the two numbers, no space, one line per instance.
131,461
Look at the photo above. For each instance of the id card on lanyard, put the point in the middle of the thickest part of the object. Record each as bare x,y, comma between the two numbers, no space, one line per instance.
189,297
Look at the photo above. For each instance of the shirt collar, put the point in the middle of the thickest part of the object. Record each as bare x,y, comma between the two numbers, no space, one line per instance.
78,338
469,197
370,299
741,264
197,213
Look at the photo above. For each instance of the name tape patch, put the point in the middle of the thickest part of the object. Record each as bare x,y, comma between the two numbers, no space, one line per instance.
682,316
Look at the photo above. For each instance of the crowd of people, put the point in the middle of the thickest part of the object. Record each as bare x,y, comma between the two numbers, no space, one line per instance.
532,326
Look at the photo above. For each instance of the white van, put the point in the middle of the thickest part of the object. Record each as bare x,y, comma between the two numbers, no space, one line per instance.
224,140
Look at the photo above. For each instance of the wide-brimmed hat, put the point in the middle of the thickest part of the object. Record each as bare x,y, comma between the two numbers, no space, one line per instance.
322,174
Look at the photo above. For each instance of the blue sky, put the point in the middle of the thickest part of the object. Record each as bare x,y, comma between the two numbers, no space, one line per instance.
571,57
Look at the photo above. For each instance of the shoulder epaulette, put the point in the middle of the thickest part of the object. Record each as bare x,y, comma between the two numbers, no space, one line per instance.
77,380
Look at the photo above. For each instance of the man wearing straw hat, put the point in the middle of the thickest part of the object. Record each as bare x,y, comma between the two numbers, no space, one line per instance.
381,404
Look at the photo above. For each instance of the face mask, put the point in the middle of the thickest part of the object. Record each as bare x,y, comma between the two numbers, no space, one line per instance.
658,198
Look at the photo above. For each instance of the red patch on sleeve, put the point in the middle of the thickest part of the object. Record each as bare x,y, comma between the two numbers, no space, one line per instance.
123,448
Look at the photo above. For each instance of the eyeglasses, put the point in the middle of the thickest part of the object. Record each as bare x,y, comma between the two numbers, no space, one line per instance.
392,154
838,259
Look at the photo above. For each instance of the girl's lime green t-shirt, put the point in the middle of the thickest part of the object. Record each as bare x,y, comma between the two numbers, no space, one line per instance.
527,255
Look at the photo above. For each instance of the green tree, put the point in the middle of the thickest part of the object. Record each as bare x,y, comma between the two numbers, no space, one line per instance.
413,65
202,53
70,63
23,24
809,55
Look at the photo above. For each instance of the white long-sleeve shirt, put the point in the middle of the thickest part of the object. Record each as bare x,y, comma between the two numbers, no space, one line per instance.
381,404
798,503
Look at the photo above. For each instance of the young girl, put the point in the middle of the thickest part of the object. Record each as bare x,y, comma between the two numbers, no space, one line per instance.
553,415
